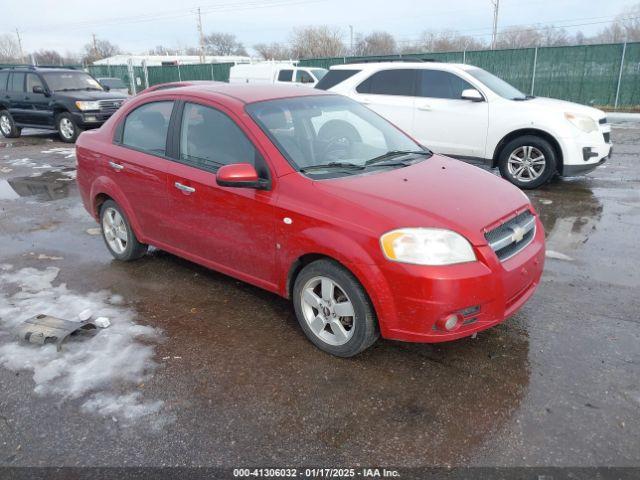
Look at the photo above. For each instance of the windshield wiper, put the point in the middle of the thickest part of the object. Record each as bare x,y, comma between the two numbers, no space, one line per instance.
332,165
396,153
67,89
523,99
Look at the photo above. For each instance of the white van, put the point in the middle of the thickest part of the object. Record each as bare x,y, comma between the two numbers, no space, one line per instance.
271,72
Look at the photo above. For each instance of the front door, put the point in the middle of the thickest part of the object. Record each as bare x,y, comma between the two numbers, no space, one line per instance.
230,229
445,122
40,112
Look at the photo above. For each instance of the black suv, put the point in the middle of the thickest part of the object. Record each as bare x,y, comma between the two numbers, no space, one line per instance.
61,99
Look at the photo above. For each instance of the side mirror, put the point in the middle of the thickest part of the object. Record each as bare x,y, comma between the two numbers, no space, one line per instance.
472,94
106,88
241,175
38,89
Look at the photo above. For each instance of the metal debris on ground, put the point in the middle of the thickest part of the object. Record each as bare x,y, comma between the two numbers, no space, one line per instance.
43,329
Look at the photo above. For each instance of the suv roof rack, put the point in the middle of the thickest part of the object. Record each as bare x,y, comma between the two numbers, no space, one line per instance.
35,67
376,60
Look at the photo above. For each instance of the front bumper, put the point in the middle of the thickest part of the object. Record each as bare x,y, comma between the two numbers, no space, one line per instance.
484,293
91,119
584,152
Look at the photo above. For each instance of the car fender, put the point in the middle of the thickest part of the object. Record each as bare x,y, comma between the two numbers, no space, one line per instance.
497,139
346,250
103,185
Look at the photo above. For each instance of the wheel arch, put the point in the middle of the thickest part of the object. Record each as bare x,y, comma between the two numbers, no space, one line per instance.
529,131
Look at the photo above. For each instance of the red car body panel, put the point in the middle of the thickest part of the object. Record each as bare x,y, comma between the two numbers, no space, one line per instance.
241,231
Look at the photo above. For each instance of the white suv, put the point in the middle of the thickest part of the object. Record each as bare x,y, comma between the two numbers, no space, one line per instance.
466,112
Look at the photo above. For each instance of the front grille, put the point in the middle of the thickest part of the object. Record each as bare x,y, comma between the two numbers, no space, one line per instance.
512,236
110,105
602,121
607,136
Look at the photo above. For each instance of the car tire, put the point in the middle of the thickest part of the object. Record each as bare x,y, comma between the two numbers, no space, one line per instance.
67,128
528,162
8,126
322,291
118,235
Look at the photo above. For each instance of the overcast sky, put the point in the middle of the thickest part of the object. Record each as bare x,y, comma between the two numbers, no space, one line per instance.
136,25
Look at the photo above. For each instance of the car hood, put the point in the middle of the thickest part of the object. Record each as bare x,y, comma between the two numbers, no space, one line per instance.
437,192
562,106
91,95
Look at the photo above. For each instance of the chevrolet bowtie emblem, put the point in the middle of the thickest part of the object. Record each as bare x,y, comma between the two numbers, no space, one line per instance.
518,234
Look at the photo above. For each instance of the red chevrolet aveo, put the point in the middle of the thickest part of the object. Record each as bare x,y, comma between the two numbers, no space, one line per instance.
318,199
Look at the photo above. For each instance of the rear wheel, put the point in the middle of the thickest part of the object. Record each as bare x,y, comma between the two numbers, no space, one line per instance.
118,235
67,127
528,161
8,126
333,309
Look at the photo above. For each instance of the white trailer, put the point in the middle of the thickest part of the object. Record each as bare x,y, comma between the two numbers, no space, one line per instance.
272,72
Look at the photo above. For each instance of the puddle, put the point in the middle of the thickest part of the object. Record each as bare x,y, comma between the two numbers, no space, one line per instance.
46,187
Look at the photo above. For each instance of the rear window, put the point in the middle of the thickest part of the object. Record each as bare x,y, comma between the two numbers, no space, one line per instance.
146,127
285,75
390,82
4,76
16,82
334,77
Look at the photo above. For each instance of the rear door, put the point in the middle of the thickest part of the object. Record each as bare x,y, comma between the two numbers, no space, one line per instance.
138,164
391,94
231,229
18,106
444,121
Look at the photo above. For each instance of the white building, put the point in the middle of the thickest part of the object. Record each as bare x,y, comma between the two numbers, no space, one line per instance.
158,60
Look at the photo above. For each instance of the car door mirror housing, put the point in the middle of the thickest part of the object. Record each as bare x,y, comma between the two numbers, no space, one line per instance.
38,89
472,94
241,175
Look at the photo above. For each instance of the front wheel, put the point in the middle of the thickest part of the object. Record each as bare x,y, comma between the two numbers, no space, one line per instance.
528,162
67,128
333,309
8,126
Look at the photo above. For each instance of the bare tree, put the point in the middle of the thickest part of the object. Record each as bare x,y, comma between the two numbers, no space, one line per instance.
99,50
9,49
518,37
320,41
273,51
625,28
447,41
376,43
47,57
223,44
554,37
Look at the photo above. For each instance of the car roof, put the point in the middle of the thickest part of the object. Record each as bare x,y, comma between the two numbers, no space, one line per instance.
247,93
401,65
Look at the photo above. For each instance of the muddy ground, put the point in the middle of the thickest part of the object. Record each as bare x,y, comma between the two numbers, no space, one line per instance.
199,369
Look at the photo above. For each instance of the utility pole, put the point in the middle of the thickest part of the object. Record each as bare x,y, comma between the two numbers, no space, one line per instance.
201,34
496,6
20,44
95,46
351,42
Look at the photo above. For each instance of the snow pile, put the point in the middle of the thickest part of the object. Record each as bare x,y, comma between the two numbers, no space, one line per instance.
97,370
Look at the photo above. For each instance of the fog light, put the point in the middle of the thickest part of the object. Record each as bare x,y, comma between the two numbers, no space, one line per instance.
449,323
90,118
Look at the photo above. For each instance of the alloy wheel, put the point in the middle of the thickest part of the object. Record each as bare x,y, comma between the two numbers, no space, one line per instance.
5,125
526,163
115,230
328,311
66,128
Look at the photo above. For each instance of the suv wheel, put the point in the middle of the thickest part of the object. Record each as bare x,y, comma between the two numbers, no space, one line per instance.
8,126
333,309
118,235
67,128
528,162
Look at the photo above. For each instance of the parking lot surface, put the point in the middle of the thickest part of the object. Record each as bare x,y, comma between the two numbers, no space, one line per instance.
199,369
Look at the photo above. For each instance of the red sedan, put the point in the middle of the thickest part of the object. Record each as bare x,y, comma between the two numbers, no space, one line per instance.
314,197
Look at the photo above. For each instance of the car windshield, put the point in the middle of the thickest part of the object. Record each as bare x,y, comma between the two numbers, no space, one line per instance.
112,83
319,73
497,85
63,81
330,136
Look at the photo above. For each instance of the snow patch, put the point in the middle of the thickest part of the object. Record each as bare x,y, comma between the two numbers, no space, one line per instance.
66,152
558,256
90,369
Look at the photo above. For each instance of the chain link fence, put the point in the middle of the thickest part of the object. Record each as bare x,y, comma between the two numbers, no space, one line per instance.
600,75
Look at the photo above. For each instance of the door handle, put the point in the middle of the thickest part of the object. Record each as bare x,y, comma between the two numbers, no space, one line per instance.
425,107
117,167
184,188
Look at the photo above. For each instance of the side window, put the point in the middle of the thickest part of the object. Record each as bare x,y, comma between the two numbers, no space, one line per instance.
210,139
439,84
390,82
146,127
33,81
16,82
285,75
4,77
302,76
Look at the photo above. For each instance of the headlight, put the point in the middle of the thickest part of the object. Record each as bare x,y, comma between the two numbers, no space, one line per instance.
426,246
582,122
88,105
